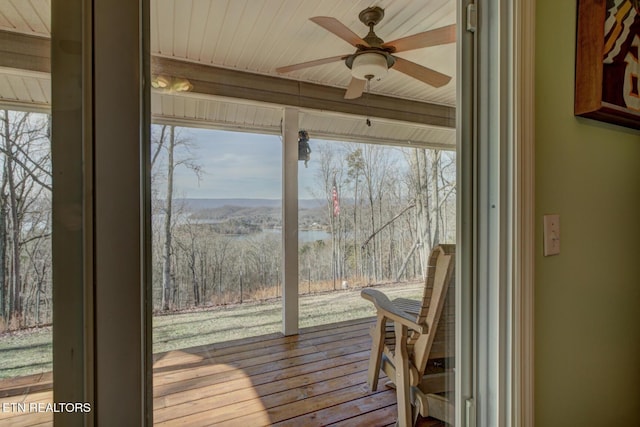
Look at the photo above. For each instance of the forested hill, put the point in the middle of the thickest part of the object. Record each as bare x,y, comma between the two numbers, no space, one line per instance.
255,213
202,204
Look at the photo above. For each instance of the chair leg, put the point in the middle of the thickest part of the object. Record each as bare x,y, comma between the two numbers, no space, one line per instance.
375,359
403,391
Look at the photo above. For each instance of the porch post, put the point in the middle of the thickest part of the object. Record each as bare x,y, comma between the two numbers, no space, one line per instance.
290,221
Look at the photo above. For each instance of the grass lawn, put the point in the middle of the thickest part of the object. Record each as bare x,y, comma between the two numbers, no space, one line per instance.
29,352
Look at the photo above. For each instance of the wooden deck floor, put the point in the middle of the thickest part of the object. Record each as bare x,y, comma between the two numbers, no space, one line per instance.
317,378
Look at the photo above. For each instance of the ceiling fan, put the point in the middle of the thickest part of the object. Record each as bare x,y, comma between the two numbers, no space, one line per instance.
373,57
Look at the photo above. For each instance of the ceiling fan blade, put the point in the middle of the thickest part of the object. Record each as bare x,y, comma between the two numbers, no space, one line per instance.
424,74
308,64
442,35
339,29
355,89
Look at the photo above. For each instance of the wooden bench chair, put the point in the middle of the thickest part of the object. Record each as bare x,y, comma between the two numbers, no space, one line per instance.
408,334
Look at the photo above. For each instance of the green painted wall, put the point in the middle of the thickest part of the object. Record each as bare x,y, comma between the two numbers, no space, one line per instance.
587,328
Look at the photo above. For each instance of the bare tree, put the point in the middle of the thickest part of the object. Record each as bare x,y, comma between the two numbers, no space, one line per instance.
220,254
377,235
168,141
26,180
377,168
331,178
355,165
189,245
37,258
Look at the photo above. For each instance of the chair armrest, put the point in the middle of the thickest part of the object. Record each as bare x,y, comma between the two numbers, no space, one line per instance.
385,307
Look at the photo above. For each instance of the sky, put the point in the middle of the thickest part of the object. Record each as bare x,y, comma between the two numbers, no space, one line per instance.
237,165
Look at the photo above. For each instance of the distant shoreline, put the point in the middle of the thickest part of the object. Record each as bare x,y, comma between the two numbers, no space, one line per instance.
212,203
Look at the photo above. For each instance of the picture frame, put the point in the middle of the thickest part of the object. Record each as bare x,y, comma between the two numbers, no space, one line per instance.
608,61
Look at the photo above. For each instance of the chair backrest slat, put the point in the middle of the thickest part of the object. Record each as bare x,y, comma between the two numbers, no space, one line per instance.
440,275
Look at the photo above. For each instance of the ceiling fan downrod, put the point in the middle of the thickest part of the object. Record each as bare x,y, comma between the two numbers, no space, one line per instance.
370,17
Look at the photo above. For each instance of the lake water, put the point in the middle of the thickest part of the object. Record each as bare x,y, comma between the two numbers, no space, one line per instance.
304,236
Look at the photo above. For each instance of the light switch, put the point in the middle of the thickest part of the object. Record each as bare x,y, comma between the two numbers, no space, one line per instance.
551,233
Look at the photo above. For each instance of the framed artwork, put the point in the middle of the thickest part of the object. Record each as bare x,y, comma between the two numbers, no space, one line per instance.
607,61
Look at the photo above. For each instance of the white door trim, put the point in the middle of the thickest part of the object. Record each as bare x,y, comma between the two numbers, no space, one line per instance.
523,243
505,233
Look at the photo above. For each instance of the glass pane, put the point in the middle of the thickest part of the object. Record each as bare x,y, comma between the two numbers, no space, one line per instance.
370,212
25,218
216,235
369,216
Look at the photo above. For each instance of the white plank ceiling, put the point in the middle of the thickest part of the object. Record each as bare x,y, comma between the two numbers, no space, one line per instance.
257,36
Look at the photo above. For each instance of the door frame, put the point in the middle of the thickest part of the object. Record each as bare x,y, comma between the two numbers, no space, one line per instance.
504,215
89,365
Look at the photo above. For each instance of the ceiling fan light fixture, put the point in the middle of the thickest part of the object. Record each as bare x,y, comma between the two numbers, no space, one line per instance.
369,65
160,82
181,85
169,84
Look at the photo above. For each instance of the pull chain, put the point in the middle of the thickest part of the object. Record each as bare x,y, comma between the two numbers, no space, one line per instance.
366,101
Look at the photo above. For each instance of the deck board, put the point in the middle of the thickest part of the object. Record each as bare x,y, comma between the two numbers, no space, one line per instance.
316,378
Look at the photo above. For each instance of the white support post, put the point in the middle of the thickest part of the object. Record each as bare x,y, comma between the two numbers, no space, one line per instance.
290,221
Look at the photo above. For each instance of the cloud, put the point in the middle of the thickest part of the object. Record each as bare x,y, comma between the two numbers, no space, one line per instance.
234,164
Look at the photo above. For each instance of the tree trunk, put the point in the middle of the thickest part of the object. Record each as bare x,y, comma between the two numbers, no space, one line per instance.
194,280
374,256
15,282
5,292
403,267
167,285
435,191
203,274
355,228
3,257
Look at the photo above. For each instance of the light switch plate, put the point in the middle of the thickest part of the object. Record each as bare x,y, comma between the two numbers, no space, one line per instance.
551,226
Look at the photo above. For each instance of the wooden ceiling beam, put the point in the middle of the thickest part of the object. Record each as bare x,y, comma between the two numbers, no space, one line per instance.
24,52
222,82
30,53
